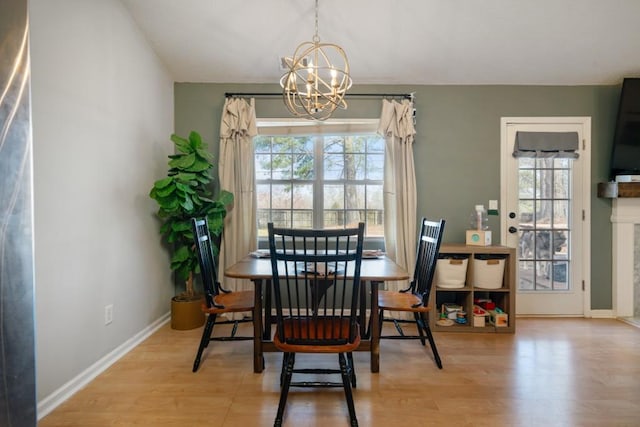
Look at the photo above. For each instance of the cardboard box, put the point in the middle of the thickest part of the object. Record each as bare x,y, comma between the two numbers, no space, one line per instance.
499,320
478,321
478,237
479,317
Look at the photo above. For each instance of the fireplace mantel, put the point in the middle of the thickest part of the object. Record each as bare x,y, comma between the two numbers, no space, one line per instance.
614,190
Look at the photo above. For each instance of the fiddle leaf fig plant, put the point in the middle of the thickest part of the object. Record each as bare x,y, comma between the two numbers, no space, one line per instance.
186,193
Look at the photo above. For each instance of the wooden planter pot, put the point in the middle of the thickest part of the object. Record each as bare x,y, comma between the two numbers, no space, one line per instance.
186,314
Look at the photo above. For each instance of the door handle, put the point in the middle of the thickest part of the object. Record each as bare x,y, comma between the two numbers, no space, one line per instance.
512,229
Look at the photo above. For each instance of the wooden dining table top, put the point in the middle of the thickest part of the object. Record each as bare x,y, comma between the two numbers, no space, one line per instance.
379,269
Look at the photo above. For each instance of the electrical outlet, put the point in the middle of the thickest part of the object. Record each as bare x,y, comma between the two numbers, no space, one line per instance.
108,314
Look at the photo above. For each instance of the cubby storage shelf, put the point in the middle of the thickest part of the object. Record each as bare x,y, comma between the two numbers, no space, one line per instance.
504,297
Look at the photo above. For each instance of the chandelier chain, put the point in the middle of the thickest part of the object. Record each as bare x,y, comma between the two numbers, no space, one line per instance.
316,37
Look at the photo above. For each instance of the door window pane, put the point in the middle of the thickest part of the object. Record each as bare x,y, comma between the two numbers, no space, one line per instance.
561,184
543,213
526,183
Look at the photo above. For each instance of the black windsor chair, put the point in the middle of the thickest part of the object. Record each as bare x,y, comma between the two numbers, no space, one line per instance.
316,280
415,298
217,300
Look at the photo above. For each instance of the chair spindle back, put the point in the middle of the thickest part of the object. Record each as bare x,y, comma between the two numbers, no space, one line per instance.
430,238
204,248
316,279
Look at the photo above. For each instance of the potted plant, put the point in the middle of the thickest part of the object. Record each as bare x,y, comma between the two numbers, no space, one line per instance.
186,193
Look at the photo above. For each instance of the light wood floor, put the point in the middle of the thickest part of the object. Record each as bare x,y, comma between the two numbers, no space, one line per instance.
551,372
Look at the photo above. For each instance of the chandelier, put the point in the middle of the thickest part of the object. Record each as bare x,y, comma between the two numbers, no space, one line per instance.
317,79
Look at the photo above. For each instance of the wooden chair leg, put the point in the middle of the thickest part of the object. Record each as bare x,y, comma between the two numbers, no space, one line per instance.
287,372
432,343
283,369
419,325
344,371
204,341
352,370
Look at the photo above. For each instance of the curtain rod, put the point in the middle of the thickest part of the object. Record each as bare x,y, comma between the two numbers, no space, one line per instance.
410,96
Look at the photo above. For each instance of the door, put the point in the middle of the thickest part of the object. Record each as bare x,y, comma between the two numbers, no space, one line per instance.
546,211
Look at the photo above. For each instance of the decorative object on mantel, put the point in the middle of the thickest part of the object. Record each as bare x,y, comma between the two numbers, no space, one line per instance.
317,80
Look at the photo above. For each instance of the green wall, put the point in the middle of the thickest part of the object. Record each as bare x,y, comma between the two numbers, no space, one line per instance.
457,149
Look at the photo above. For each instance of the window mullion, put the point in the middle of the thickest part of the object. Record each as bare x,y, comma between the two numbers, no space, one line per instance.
318,182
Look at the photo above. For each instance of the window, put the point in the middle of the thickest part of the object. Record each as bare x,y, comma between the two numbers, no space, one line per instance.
311,175
544,206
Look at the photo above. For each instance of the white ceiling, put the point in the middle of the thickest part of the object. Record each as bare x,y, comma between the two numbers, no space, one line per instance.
532,42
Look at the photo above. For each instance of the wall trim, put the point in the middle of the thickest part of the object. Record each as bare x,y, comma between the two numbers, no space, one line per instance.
55,399
593,314
602,314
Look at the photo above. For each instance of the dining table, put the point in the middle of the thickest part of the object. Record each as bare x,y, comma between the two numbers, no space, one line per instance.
374,272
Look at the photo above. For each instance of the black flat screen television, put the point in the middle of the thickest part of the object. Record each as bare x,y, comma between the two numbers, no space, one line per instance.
625,156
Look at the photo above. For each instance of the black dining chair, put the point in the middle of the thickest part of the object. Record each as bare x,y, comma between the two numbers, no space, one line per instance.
415,298
217,300
316,280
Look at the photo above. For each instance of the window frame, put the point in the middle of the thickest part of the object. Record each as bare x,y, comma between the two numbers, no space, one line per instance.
303,127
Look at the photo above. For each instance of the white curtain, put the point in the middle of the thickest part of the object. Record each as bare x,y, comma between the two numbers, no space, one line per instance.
236,169
400,221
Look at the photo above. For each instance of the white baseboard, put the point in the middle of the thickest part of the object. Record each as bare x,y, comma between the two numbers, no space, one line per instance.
595,314
55,399
602,314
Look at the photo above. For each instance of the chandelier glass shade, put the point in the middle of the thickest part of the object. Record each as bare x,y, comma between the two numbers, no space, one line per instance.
317,79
